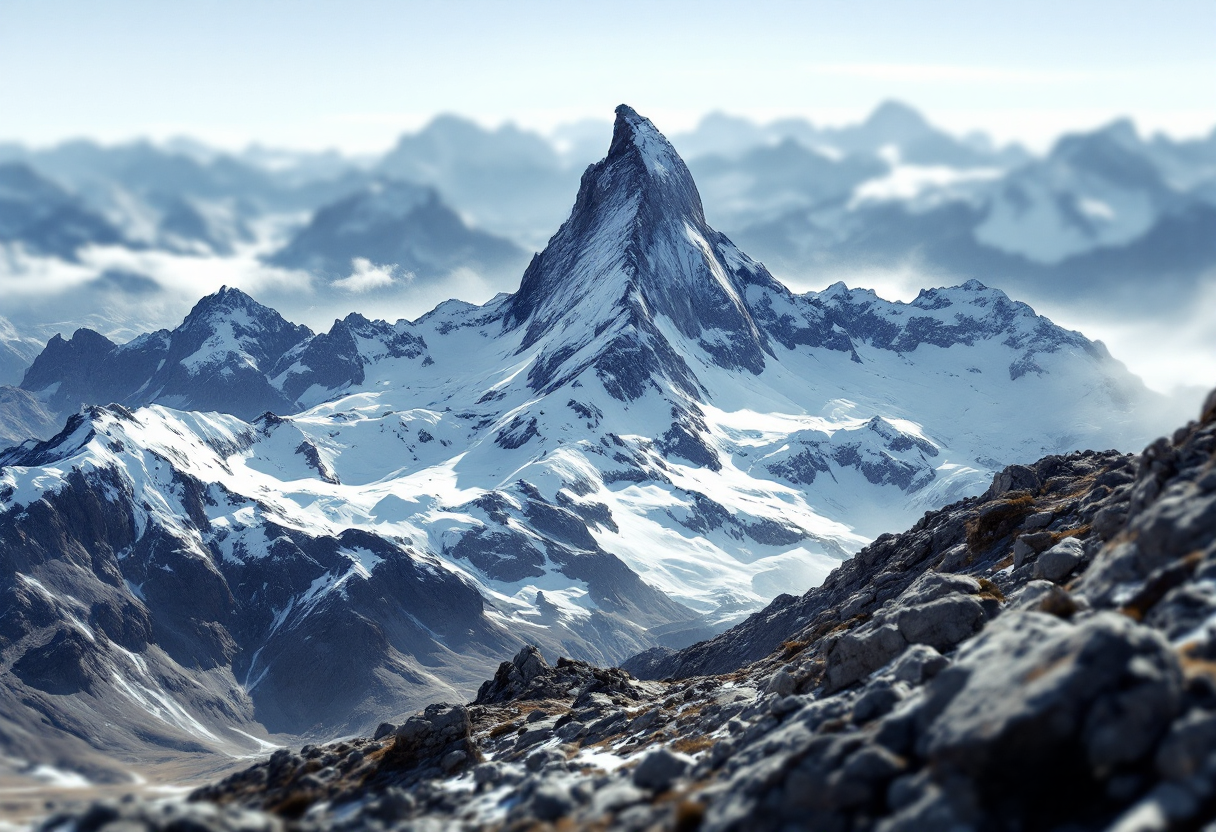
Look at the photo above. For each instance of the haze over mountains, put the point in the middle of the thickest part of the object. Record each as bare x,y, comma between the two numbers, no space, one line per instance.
651,438
140,231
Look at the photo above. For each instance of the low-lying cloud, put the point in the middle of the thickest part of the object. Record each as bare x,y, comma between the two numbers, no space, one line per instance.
366,276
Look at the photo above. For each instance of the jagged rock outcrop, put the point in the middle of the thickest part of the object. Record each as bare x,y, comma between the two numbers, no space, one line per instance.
528,677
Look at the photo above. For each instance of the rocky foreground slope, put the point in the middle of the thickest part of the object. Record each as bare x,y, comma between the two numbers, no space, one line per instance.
1040,657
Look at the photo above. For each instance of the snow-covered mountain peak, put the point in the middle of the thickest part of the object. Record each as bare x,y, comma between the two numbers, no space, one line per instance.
634,133
635,255
224,302
231,322
972,293
650,439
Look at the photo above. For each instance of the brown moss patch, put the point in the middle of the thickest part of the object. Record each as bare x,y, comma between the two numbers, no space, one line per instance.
689,815
855,621
689,714
607,742
1059,604
692,745
1079,531
990,590
294,805
1042,670
791,648
1194,666
834,726
998,519
503,728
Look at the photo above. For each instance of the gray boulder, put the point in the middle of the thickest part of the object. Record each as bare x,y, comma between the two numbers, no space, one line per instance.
856,655
918,663
660,768
1033,692
782,684
933,585
941,623
1060,560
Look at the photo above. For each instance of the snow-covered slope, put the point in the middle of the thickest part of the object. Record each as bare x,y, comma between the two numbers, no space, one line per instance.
649,439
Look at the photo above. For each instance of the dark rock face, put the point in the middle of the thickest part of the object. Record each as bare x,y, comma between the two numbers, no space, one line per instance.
83,580
333,360
66,664
528,677
23,416
559,540
880,452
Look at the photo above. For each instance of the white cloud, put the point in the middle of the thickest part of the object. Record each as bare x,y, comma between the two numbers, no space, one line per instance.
44,295
366,276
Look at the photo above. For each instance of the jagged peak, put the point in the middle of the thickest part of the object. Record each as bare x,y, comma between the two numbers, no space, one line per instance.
635,132
227,297
229,300
85,337
840,291
640,184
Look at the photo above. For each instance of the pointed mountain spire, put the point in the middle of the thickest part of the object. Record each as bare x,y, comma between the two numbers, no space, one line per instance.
635,249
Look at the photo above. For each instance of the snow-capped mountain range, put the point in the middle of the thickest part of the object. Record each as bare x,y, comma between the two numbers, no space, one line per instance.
1093,219
649,439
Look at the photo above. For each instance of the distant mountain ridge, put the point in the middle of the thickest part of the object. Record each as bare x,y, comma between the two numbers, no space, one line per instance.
218,359
44,217
396,225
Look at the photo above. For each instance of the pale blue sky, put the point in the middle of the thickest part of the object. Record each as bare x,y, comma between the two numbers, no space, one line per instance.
354,74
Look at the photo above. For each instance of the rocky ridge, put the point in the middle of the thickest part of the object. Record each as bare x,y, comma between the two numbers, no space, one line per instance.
1039,657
